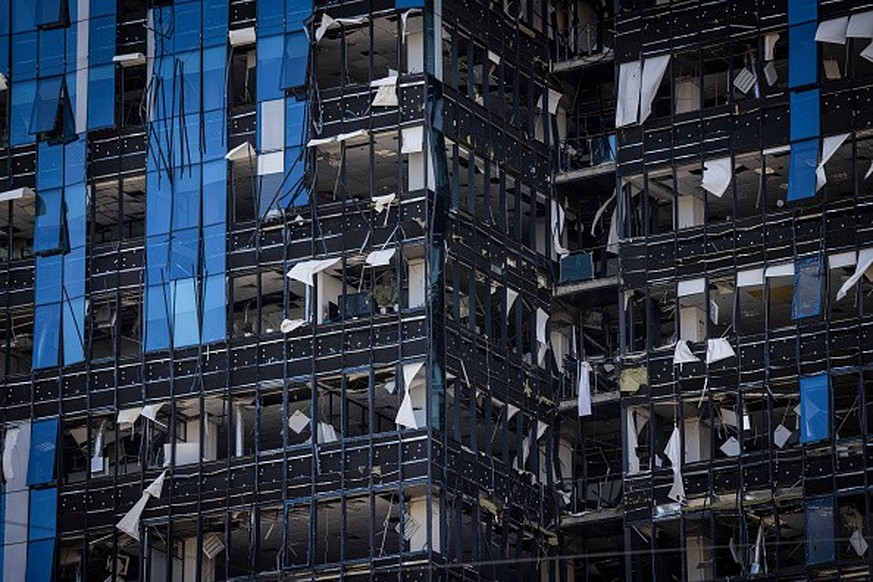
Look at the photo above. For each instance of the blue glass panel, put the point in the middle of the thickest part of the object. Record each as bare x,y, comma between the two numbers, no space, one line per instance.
23,15
215,193
49,235
214,309
814,408
270,16
101,38
294,191
404,4
215,132
23,94
213,77
186,201
43,452
51,52
50,160
801,170
52,13
295,122
2,497
296,13
23,55
296,60
577,267
190,73
270,52
802,55
73,311
157,330
807,287
43,511
45,105
804,109
215,23
802,11
214,249
46,335
186,324
48,283
157,259
40,560
101,96
184,253
102,8
820,530
269,192
158,202
74,164
74,200
74,273
187,17
4,69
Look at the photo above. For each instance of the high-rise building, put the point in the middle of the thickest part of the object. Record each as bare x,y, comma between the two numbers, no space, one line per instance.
526,290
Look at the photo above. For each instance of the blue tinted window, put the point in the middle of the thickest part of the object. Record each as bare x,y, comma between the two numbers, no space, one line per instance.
814,408
801,169
804,114
40,560
49,235
74,329
45,105
807,287
296,60
186,324
52,13
43,451
802,55
820,530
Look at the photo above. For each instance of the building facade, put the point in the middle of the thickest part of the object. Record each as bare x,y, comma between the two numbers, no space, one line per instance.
435,290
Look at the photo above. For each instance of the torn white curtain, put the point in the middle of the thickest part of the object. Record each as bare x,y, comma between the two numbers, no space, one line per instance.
511,296
128,415
690,287
410,414
673,451
554,99
717,350
829,147
298,422
542,326
411,139
636,419
833,31
244,152
653,72
865,260
10,454
327,23
750,278
386,96
717,175
129,524
289,325
583,372
336,138
380,258
769,45
304,271
783,270
628,104
380,203
683,354
860,25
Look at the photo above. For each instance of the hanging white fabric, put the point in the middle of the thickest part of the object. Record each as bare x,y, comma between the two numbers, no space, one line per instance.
380,203
380,258
860,25
832,31
770,45
129,524
717,176
829,147
865,261
673,451
653,72
628,103
583,373
718,349
683,354
304,270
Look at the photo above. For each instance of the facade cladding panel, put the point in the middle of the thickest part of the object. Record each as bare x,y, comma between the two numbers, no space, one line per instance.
407,290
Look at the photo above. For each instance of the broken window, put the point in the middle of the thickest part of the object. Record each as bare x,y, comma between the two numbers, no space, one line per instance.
780,294
820,530
243,75
815,408
131,81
